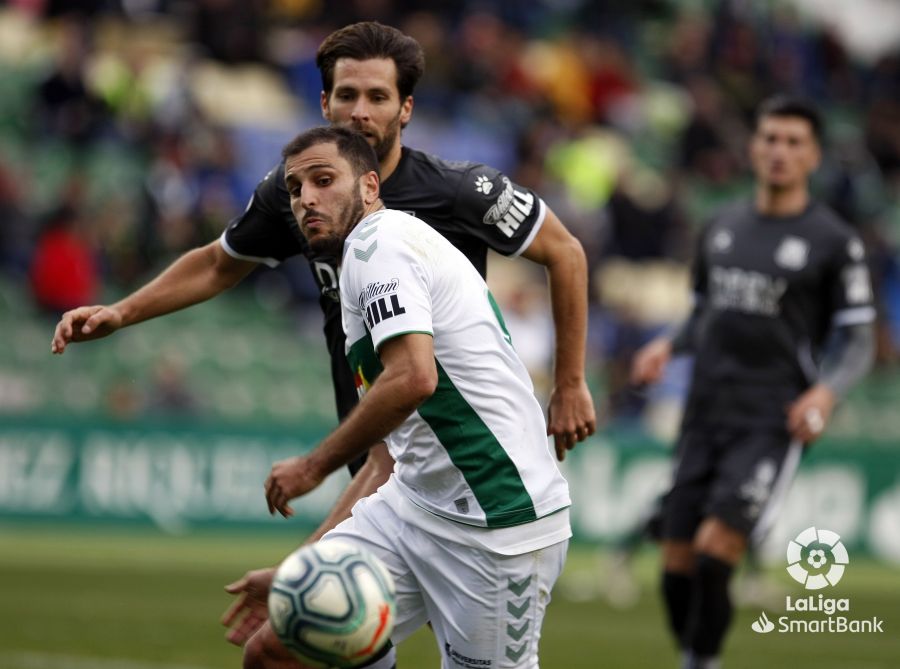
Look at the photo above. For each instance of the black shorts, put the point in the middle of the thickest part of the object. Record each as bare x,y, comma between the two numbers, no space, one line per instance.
728,473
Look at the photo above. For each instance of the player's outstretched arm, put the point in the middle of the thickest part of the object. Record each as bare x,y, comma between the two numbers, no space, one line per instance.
571,415
409,378
195,277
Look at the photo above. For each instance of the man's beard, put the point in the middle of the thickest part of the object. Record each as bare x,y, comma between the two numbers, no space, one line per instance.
384,144
332,244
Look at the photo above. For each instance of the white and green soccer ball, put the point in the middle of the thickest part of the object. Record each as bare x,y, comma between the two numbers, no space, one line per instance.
332,604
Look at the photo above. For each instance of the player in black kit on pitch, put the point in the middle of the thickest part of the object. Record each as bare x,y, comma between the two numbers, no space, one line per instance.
782,327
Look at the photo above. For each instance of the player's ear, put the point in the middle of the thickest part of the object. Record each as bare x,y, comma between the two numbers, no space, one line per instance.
815,157
370,187
406,110
326,112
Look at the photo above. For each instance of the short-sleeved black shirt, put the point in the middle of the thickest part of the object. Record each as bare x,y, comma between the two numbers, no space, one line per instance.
769,290
474,206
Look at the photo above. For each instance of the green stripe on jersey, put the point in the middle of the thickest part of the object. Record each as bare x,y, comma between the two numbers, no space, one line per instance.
475,451
499,315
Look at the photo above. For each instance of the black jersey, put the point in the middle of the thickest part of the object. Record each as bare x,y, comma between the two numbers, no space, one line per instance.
769,290
474,206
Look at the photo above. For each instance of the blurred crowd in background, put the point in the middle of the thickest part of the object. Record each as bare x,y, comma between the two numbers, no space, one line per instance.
134,130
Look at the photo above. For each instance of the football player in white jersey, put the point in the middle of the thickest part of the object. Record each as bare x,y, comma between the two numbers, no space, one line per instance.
473,524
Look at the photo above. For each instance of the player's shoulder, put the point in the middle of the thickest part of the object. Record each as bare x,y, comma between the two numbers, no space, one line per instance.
429,162
732,214
830,232
271,188
828,221
459,177
380,229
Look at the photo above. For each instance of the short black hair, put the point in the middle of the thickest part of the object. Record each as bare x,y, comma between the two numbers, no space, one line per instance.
351,145
794,106
367,40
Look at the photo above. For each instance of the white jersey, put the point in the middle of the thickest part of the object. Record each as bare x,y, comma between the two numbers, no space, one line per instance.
476,452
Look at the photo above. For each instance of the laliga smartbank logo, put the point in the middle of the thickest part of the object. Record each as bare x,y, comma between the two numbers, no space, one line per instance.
817,559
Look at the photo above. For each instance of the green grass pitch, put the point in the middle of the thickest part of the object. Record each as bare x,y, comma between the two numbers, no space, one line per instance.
102,599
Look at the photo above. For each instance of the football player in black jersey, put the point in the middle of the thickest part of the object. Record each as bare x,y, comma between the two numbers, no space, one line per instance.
782,327
369,72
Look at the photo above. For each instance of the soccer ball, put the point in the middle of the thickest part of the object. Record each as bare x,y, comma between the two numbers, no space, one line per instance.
332,604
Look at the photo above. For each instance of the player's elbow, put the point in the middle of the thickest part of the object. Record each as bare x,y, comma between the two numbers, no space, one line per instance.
226,271
420,383
572,250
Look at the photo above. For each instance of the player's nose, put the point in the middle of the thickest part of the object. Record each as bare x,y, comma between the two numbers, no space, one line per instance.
360,111
308,200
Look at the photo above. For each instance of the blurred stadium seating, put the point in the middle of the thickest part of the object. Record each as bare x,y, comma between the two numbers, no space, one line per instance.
624,116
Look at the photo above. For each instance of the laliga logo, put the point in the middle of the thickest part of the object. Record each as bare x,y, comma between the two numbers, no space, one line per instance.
816,558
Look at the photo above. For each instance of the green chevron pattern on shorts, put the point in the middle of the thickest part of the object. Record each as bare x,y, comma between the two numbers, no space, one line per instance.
518,611
517,634
475,451
514,654
518,589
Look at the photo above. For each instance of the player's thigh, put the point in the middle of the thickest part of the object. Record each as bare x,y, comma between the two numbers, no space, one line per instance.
683,505
376,527
486,609
747,473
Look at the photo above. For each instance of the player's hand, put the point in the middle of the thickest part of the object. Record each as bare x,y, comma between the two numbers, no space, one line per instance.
289,479
248,613
650,362
571,417
809,414
84,324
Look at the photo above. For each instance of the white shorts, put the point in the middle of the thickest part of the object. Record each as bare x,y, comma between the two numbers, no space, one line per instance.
486,609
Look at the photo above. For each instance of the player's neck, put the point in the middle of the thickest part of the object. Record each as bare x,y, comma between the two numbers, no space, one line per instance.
389,164
780,203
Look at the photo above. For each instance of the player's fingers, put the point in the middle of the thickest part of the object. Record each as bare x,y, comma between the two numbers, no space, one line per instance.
795,418
247,627
278,500
812,425
238,634
270,487
284,509
560,450
237,586
585,430
94,321
61,334
564,442
233,611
